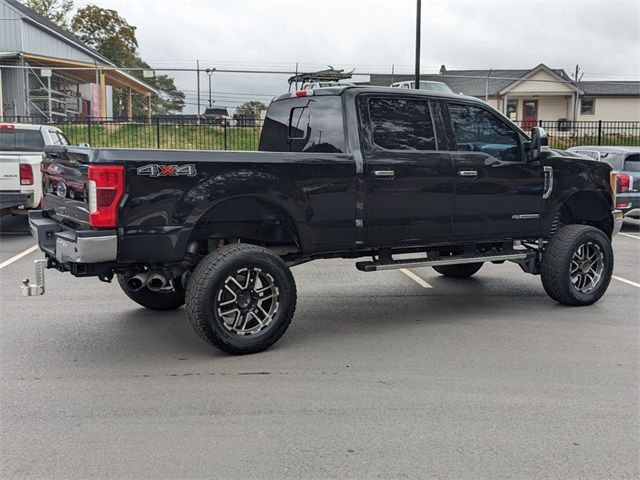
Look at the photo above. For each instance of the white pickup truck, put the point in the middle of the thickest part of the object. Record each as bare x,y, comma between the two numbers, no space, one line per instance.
21,148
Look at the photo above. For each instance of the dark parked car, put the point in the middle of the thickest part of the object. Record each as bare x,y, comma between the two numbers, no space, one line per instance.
341,173
625,161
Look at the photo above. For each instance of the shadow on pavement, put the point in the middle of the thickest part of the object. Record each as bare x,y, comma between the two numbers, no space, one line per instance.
14,225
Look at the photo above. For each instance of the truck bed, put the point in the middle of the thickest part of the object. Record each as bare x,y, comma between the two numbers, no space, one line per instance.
168,192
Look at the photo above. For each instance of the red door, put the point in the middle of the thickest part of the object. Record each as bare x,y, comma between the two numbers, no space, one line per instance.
529,114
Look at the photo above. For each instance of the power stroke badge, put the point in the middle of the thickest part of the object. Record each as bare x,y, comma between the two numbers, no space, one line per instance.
156,170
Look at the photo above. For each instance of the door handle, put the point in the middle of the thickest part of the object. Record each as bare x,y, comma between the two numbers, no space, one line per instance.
388,174
468,173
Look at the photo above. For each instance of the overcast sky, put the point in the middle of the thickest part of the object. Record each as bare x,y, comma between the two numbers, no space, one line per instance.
602,36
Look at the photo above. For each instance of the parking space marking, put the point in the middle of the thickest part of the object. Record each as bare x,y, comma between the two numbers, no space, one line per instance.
415,278
19,256
620,279
629,235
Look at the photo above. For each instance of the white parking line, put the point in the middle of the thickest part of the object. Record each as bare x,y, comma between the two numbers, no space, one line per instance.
415,278
629,235
620,279
19,256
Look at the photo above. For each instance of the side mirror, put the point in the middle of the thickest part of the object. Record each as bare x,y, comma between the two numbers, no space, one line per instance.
539,142
84,145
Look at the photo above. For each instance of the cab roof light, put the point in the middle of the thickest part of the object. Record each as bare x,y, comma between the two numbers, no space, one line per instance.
302,93
7,127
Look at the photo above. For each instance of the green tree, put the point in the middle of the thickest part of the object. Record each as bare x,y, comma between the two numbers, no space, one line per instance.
112,36
107,32
55,10
252,107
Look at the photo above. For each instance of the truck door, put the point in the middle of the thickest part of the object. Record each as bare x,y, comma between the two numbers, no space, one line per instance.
498,193
408,182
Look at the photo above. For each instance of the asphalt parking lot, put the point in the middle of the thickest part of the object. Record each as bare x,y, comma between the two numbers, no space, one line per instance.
400,374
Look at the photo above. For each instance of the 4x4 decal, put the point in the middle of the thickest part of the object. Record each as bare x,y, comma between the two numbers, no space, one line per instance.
155,170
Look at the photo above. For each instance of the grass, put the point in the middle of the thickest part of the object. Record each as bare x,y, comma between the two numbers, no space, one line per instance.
621,140
185,137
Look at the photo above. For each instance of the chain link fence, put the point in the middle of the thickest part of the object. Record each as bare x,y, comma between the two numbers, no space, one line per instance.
213,108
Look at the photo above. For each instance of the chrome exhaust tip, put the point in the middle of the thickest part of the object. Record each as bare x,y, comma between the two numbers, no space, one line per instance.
137,282
156,282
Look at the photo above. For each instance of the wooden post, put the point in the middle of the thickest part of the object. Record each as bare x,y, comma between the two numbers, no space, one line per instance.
130,106
149,107
103,95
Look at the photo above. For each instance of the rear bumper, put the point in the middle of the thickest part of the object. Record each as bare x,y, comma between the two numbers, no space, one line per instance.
15,199
72,246
629,203
617,221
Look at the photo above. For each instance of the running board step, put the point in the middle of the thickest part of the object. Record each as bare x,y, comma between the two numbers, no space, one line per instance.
373,266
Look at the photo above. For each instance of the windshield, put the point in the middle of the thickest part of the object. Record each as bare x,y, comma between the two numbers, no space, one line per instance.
435,87
21,140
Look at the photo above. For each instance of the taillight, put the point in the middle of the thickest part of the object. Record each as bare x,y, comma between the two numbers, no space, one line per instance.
26,174
105,189
623,182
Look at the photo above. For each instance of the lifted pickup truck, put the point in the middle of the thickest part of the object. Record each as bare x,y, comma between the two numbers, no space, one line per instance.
341,172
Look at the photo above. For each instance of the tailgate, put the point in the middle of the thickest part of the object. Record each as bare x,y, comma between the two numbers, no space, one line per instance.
9,172
64,180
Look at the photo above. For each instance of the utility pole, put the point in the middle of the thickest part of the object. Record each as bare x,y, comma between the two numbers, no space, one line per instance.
198,87
418,21
210,72
577,76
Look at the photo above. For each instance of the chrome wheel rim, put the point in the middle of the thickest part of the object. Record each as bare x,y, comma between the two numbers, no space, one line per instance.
587,265
247,301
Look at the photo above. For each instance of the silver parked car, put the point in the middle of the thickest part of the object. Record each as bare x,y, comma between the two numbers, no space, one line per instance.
625,161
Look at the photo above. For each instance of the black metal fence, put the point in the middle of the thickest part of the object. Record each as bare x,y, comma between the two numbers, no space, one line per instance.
188,132
192,132
565,133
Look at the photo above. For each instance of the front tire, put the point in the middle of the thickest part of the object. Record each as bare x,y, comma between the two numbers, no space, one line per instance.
577,265
464,270
153,300
241,298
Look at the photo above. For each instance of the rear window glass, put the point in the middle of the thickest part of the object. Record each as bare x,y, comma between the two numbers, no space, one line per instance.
21,140
305,124
632,163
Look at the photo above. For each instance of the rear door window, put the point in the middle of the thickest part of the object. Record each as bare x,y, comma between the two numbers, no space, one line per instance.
21,140
398,123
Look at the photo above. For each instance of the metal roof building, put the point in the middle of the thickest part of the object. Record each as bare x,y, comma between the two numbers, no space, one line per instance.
45,71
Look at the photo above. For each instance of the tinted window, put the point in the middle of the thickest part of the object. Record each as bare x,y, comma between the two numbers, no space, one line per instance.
306,124
477,130
632,163
401,124
299,122
17,140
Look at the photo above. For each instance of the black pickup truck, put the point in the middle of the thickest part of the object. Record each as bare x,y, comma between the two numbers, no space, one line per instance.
351,172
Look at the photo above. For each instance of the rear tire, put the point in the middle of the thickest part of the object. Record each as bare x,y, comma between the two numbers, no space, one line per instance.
577,265
153,300
241,298
464,270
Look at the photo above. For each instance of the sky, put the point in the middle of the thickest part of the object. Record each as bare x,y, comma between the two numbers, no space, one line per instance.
371,35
